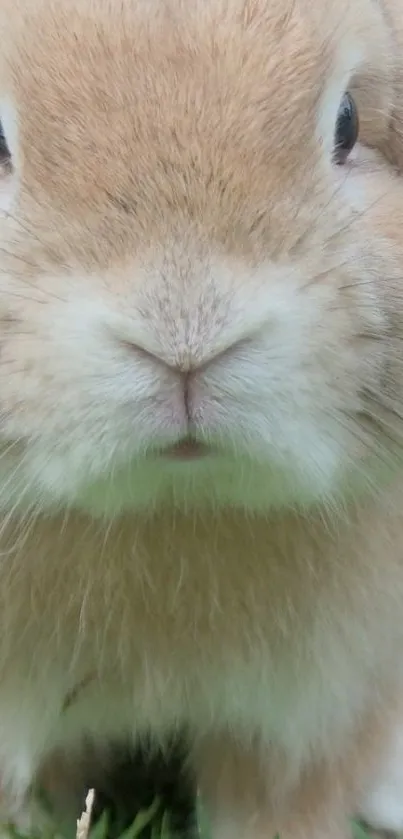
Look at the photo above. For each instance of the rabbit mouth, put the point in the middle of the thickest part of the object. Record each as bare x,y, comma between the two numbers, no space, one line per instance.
187,449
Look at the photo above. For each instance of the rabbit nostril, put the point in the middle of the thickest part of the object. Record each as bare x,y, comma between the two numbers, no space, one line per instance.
141,352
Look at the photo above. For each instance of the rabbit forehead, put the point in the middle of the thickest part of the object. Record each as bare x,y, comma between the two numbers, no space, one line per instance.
176,105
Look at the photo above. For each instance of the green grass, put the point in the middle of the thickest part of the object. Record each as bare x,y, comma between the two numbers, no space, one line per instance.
158,821
160,828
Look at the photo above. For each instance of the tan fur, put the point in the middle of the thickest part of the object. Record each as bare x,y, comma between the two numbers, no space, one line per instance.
175,210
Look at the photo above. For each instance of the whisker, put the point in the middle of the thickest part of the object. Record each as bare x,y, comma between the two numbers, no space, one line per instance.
31,233
357,216
313,222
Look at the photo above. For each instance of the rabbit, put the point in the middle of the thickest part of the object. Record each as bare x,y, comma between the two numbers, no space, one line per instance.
201,406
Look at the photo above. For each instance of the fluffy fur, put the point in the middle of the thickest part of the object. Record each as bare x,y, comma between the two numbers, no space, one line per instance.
180,254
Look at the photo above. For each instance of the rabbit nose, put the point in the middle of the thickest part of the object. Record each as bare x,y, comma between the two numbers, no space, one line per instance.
184,368
181,360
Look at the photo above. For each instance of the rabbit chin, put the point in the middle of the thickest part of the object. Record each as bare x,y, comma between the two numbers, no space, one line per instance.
217,479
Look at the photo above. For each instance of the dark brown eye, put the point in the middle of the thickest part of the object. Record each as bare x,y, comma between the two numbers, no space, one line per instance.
5,156
347,127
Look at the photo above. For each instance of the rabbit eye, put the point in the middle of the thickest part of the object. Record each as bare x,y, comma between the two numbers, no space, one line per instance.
5,156
347,127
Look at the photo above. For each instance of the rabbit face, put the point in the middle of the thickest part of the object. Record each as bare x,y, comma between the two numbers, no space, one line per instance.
197,280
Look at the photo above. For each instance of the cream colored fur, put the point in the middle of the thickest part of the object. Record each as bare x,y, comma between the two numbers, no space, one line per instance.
178,246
